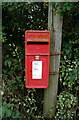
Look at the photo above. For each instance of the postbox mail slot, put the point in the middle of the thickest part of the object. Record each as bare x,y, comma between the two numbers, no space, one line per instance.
36,42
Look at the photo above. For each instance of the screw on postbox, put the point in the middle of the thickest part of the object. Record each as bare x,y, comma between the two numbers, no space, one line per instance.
37,56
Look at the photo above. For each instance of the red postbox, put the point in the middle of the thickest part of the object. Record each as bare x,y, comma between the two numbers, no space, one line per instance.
37,55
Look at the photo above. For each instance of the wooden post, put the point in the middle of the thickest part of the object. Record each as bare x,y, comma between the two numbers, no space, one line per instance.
50,94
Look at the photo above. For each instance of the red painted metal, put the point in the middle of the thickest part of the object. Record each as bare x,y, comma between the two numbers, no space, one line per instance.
54,73
37,43
56,54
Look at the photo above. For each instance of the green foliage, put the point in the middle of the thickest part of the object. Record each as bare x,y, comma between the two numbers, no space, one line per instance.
8,112
68,8
66,106
64,8
70,67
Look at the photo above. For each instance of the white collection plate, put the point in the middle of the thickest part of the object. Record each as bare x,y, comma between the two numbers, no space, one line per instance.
36,69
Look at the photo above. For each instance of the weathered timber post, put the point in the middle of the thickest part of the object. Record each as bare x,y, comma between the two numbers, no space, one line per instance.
50,94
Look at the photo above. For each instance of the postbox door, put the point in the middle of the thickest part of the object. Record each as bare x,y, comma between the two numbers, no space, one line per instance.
37,71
